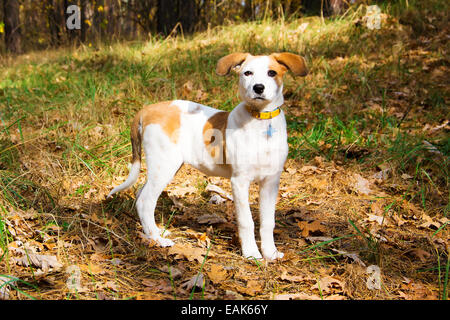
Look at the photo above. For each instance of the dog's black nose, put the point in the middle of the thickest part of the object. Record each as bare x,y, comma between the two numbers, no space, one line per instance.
258,88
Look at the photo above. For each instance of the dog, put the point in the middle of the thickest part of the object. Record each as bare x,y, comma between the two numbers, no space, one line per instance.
244,145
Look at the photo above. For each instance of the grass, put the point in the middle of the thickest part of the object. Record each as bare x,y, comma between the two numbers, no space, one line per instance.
371,100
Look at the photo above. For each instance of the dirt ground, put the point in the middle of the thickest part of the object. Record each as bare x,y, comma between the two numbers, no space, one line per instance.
345,235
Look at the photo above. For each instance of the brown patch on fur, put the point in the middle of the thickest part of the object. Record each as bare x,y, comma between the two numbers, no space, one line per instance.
291,61
136,139
227,63
163,113
278,68
218,121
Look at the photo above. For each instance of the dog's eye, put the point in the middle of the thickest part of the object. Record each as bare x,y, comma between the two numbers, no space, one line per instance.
271,73
248,73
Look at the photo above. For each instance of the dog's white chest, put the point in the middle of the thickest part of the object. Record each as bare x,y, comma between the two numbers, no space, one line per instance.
258,148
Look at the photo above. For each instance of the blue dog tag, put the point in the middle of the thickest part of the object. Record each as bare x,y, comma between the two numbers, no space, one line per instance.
270,131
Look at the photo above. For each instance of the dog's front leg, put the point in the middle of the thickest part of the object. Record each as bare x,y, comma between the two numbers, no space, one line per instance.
268,191
246,228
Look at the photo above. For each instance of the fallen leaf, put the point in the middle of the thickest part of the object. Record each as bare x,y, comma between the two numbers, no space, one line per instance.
98,257
112,285
101,220
92,268
352,256
197,281
377,208
431,148
361,185
177,203
421,254
213,188
287,277
5,282
217,273
328,283
381,175
203,240
321,239
441,126
174,272
417,291
42,261
296,296
398,220
252,288
216,199
210,219
181,191
429,223
374,217
116,261
187,88
406,176
319,184
313,228
149,282
99,244
291,170
186,251
335,297
162,285
200,95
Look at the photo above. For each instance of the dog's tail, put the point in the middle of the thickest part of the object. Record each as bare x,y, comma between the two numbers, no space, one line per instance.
136,145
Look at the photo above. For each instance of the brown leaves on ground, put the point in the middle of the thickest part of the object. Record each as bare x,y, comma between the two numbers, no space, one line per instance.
251,288
113,260
328,284
313,228
411,290
187,251
218,273
40,261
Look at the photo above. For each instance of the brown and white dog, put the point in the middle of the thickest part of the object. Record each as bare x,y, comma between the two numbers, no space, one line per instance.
247,144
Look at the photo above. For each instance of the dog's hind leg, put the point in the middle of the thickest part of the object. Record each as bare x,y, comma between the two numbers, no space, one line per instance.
161,167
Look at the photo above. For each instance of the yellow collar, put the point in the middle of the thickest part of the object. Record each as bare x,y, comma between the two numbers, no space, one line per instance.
264,115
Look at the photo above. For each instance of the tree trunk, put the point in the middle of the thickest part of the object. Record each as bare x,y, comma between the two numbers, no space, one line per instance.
98,25
170,12
337,6
187,15
248,10
55,18
84,26
12,26
166,16
327,7
111,18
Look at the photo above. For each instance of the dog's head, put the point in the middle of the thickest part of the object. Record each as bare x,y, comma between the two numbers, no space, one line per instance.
261,77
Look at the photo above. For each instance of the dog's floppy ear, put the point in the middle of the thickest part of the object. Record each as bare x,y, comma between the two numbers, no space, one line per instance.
225,64
293,62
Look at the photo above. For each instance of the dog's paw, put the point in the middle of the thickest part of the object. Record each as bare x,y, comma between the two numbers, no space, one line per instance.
164,232
273,255
252,255
164,242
